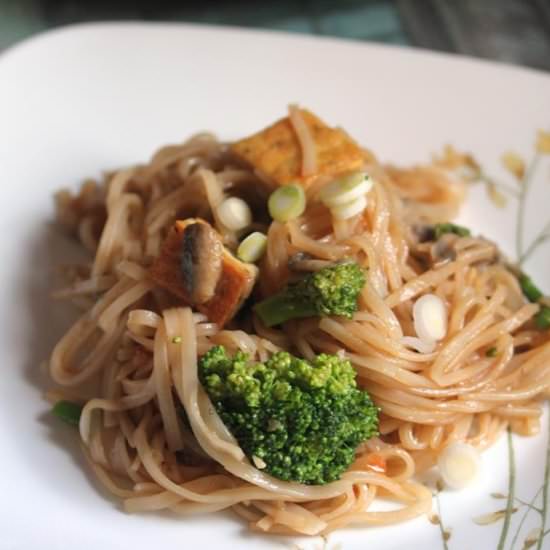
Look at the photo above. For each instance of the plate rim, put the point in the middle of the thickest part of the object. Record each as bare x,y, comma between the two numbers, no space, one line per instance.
47,35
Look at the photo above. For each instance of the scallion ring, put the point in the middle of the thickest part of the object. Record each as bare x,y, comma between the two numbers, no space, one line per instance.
234,214
287,202
345,190
252,248
350,209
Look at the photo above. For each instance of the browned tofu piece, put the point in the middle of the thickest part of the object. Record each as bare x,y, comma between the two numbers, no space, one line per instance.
276,153
234,285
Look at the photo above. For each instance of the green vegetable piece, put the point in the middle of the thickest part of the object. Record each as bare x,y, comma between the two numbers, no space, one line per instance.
252,248
529,289
68,411
330,291
287,202
443,228
303,419
491,352
542,318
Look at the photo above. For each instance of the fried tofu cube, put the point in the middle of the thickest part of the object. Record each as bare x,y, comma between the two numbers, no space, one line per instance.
275,152
234,279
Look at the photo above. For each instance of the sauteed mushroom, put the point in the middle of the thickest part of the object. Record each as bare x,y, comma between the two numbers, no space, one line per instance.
443,249
431,251
201,262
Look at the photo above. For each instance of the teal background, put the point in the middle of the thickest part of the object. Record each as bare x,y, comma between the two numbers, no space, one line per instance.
513,31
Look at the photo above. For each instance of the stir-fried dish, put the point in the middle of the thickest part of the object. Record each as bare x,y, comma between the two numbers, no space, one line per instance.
290,328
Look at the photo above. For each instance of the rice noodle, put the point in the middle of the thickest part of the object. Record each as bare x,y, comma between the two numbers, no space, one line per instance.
307,144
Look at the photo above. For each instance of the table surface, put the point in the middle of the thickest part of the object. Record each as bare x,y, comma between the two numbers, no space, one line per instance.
513,31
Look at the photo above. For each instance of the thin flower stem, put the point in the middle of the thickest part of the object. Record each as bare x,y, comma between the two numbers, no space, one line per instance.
530,506
511,493
440,523
526,183
545,490
543,236
484,178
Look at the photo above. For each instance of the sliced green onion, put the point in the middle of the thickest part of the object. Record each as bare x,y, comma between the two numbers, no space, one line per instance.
430,318
252,248
350,209
68,412
491,352
459,464
346,189
287,202
443,228
529,289
234,213
542,318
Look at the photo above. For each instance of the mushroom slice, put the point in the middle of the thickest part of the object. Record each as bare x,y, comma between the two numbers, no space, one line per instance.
443,250
201,262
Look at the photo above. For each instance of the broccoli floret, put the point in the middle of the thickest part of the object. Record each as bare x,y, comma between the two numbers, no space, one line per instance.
330,291
303,419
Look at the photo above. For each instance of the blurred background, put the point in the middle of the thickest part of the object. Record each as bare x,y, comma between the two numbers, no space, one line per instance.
513,31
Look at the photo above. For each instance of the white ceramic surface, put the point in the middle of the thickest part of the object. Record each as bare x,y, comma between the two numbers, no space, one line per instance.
76,101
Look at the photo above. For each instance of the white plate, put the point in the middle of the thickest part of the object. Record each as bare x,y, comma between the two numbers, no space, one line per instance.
83,99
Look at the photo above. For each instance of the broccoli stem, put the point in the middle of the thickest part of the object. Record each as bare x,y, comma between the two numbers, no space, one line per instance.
332,290
529,289
281,307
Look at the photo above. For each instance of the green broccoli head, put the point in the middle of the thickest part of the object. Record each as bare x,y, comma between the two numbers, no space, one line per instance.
330,291
303,419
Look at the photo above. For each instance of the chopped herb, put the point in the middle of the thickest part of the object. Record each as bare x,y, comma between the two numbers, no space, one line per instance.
529,289
542,318
68,411
443,228
176,340
491,352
